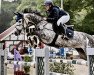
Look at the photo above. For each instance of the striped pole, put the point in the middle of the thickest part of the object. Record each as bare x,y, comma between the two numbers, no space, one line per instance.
42,61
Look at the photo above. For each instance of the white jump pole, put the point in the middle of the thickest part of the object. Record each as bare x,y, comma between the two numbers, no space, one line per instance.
62,4
90,59
42,61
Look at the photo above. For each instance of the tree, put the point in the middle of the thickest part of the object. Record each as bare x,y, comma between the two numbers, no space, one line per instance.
6,16
81,12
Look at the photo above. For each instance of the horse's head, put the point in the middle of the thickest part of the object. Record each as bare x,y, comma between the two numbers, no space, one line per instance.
23,23
42,28
19,27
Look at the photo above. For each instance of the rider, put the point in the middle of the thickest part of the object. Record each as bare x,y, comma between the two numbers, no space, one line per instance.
56,16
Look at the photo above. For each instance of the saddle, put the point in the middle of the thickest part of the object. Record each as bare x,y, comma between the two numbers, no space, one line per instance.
65,30
69,30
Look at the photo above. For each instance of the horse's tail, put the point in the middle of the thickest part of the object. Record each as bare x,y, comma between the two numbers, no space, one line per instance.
91,39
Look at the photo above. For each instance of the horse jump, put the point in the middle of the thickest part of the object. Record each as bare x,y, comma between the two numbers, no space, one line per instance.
42,61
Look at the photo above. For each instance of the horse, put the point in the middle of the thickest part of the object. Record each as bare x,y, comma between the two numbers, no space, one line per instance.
47,35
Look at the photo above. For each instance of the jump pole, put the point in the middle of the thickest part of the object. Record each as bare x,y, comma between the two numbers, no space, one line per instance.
42,61
90,60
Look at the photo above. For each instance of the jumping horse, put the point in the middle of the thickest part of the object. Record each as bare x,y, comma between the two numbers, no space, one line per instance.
46,34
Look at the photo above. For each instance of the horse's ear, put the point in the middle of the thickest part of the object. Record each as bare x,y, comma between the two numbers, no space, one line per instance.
19,15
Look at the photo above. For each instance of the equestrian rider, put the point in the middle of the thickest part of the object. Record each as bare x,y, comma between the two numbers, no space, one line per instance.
56,16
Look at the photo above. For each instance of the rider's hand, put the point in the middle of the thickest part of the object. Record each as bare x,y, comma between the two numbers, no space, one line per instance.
44,18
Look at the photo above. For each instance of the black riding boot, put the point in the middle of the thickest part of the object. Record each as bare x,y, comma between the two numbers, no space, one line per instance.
66,32
61,29
63,32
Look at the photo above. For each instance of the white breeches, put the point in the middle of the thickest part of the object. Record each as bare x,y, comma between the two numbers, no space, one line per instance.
63,19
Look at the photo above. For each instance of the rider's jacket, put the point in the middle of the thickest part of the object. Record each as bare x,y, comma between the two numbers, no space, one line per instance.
54,13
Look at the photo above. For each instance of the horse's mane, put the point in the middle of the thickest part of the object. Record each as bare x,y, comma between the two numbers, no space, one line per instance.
29,10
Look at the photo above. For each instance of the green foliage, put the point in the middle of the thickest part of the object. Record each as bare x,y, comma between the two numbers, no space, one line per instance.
24,4
31,4
88,23
26,69
62,68
57,2
27,59
81,12
6,15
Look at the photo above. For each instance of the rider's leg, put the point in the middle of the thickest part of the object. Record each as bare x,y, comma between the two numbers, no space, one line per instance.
62,21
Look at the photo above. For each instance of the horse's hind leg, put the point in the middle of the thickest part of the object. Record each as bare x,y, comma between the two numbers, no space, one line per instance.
82,54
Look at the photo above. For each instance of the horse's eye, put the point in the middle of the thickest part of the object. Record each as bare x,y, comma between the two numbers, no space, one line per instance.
19,21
